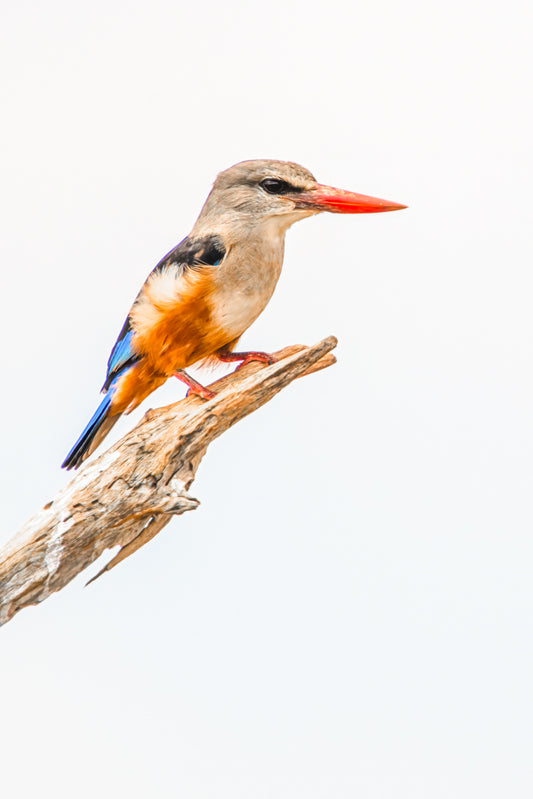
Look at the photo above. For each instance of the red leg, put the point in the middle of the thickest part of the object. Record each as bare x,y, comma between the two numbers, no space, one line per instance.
244,357
194,386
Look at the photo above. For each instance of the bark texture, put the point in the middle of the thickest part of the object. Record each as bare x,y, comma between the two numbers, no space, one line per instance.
129,493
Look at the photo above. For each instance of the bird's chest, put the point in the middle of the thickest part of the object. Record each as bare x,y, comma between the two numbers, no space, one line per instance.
244,285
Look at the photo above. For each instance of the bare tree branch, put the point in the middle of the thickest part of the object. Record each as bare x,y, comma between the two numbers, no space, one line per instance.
128,494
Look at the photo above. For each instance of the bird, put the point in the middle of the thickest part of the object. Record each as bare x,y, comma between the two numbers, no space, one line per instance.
201,297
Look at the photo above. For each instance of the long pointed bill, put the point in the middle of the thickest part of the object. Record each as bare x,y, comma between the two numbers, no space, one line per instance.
338,201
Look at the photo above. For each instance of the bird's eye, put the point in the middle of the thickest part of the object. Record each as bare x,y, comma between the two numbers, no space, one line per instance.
276,186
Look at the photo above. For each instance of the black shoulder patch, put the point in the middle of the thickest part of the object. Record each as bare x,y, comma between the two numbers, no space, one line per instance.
213,251
192,253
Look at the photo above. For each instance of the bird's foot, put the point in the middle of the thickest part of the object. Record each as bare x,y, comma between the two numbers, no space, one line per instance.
245,357
194,386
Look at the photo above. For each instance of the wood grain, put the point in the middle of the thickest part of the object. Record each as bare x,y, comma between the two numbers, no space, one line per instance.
128,494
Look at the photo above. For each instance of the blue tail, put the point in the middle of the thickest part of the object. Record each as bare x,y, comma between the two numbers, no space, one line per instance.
121,360
99,426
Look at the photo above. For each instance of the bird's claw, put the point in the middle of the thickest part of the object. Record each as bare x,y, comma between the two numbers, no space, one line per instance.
194,386
258,357
205,393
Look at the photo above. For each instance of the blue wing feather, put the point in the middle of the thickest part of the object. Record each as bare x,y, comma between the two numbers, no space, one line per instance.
122,355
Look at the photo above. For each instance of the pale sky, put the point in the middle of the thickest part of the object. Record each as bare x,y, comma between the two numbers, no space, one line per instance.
348,613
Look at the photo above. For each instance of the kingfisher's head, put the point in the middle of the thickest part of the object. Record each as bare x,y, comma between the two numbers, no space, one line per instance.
279,192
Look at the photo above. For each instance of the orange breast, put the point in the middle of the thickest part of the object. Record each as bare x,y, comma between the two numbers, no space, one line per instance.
173,329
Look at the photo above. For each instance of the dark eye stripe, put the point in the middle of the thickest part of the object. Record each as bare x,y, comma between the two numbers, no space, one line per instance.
278,186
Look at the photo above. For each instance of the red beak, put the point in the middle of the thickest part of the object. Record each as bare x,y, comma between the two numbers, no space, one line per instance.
338,201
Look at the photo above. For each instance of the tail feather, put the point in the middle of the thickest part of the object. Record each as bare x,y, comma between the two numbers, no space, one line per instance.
98,427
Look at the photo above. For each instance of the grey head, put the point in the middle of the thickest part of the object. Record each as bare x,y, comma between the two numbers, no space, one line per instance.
253,193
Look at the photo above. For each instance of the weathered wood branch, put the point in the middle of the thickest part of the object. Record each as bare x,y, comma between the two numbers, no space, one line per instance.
128,494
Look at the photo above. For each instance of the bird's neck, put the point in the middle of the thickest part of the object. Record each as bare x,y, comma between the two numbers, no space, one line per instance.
247,276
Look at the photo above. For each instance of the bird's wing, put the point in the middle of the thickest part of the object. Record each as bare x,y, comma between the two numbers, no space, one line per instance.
191,253
122,354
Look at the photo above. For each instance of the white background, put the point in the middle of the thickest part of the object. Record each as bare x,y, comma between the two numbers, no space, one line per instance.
348,613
